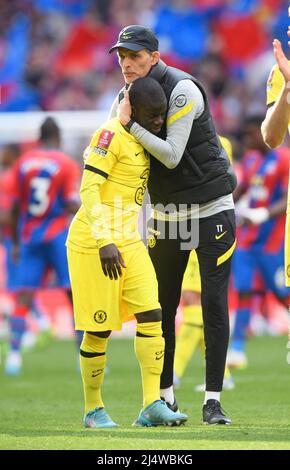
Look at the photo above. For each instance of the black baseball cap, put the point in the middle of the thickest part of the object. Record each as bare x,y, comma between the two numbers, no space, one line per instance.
136,38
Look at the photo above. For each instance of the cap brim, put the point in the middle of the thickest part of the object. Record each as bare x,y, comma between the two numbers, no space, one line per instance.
127,45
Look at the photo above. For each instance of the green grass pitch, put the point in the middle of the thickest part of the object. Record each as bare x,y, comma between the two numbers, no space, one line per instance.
43,408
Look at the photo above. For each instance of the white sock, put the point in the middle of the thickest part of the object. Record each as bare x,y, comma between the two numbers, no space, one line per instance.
212,396
167,394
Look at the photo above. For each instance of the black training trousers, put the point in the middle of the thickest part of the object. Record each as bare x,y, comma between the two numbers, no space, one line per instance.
214,250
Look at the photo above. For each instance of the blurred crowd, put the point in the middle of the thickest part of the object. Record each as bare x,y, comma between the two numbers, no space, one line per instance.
54,53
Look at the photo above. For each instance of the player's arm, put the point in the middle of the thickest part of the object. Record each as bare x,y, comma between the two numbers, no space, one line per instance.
15,210
239,192
71,184
14,220
260,215
276,122
279,208
243,184
186,104
96,171
5,219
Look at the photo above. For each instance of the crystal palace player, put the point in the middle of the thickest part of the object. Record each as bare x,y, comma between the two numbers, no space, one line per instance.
45,193
260,245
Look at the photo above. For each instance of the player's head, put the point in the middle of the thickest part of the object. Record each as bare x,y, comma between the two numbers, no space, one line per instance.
137,49
149,103
252,135
9,153
49,133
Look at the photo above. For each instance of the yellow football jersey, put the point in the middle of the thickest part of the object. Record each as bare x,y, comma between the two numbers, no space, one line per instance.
227,146
112,190
275,84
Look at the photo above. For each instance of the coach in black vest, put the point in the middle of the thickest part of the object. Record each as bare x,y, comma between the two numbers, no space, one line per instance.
190,186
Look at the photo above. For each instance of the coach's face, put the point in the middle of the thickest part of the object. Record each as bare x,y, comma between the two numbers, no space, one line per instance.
136,64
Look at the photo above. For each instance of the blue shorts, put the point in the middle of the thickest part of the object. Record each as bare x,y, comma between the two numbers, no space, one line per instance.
247,263
36,258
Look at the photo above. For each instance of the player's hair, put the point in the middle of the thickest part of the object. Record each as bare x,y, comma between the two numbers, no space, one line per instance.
253,120
49,130
146,90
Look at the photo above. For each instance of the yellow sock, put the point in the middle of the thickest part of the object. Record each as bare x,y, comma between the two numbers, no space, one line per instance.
193,314
92,361
149,350
227,373
189,337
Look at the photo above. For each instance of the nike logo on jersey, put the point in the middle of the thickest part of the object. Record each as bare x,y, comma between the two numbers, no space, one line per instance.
136,154
217,237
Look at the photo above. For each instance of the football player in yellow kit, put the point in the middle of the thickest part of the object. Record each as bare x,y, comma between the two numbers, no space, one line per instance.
191,335
277,121
112,276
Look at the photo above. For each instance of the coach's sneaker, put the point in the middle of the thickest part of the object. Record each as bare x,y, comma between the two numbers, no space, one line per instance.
213,413
158,414
13,364
98,418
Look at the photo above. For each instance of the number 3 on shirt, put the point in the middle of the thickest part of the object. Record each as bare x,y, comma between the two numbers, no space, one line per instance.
39,196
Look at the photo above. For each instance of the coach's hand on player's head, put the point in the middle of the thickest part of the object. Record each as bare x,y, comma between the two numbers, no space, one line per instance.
112,261
124,111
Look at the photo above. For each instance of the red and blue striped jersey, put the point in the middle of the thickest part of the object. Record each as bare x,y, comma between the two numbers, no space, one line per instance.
45,181
6,197
266,180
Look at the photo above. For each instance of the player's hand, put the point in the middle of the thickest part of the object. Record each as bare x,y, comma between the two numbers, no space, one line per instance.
254,216
112,261
124,109
281,59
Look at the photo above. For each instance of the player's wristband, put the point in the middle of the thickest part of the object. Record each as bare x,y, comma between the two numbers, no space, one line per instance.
129,124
